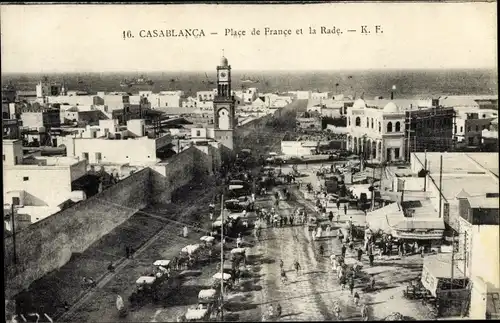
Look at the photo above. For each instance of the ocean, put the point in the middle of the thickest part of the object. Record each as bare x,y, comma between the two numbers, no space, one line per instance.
371,83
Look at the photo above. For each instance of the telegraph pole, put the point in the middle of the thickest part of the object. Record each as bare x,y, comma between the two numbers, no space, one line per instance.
465,252
409,135
440,185
425,169
452,257
13,220
222,258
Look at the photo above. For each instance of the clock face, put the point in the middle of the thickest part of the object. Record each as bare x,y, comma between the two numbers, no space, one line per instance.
223,76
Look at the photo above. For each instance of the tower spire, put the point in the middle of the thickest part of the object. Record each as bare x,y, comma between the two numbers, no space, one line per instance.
223,52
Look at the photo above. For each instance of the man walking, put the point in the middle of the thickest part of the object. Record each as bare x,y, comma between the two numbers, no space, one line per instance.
360,253
351,285
330,216
345,209
344,248
297,267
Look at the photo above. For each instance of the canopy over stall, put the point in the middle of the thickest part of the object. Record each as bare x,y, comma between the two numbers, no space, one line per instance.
207,294
145,280
226,276
163,263
190,249
207,239
196,314
238,250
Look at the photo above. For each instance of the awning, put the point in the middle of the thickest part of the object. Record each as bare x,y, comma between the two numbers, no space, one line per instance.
163,263
420,224
195,314
148,280
218,276
207,293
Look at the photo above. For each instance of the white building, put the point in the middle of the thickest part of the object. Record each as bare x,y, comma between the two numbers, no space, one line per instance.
299,148
206,95
110,143
76,99
190,102
319,95
377,127
469,125
40,186
166,99
301,95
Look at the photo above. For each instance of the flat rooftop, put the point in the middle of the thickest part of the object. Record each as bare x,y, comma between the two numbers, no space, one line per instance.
460,163
475,186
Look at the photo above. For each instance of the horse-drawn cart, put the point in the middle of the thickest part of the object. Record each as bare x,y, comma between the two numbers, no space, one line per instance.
238,255
145,288
189,255
225,277
207,241
197,315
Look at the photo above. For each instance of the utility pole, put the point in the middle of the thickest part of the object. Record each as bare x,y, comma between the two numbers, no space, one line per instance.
222,258
13,220
409,131
425,169
452,258
453,253
440,185
465,253
373,189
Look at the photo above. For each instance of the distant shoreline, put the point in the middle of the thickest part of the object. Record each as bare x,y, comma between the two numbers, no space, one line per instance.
256,72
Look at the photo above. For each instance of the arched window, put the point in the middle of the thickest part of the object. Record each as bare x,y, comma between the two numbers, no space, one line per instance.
379,127
367,122
349,119
389,127
358,121
398,126
372,122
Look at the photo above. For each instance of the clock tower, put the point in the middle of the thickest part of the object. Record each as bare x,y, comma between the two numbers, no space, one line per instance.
224,117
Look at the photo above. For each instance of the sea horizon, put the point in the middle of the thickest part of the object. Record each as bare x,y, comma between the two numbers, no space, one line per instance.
409,83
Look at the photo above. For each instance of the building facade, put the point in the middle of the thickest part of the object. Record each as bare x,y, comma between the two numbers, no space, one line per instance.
430,129
39,186
376,133
385,130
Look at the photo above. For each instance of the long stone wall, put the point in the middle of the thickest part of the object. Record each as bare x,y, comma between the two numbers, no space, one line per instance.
48,245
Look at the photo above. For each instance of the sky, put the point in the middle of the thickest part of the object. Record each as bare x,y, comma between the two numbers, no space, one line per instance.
89,38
